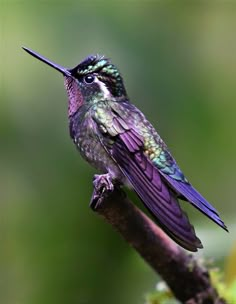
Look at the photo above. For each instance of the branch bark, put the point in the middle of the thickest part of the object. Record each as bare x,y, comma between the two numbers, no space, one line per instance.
189,282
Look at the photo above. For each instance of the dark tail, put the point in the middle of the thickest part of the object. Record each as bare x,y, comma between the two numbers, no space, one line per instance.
191,195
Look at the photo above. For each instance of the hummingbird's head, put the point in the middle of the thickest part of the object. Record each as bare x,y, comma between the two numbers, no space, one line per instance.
98,78
92,80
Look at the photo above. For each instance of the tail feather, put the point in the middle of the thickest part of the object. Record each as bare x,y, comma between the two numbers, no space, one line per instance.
187,191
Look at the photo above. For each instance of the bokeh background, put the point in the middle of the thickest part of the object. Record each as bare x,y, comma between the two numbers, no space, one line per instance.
178,60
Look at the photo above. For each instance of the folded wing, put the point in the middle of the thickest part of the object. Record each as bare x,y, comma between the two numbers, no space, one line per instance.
160,200
156,185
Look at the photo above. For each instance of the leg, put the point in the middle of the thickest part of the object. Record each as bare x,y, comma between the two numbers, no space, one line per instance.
103,184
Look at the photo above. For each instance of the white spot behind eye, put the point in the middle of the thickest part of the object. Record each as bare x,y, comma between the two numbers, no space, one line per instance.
104,89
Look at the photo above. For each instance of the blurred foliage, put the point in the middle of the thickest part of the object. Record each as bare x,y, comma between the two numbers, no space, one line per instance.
162,295
231,266
226,291
179,64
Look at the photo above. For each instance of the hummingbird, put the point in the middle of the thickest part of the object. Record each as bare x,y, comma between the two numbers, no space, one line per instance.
115,137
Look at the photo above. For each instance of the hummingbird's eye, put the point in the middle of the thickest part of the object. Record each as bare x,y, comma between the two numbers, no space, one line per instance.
89,79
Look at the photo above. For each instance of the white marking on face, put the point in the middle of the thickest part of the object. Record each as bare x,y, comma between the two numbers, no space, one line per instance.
104,89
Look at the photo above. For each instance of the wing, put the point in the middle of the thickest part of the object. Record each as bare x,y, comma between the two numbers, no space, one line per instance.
127,147
157,152
172,174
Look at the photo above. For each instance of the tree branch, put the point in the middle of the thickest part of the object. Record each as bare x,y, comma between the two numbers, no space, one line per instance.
189,282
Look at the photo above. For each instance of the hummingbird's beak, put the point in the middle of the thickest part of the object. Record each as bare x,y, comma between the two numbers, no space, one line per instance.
57,67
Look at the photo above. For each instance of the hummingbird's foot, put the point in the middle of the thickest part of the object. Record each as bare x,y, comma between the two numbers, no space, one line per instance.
103,185
103,182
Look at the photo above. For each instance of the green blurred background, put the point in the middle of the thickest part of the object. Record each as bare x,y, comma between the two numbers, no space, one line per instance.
179,64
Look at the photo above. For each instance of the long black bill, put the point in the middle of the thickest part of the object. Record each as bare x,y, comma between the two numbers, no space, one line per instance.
58,67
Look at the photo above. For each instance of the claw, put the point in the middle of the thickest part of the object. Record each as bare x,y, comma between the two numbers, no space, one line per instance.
102,184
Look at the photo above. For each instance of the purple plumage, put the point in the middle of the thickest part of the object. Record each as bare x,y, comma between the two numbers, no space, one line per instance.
116,138
157,197
158,184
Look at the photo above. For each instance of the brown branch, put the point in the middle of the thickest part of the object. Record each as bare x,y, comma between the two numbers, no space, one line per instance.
189,282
